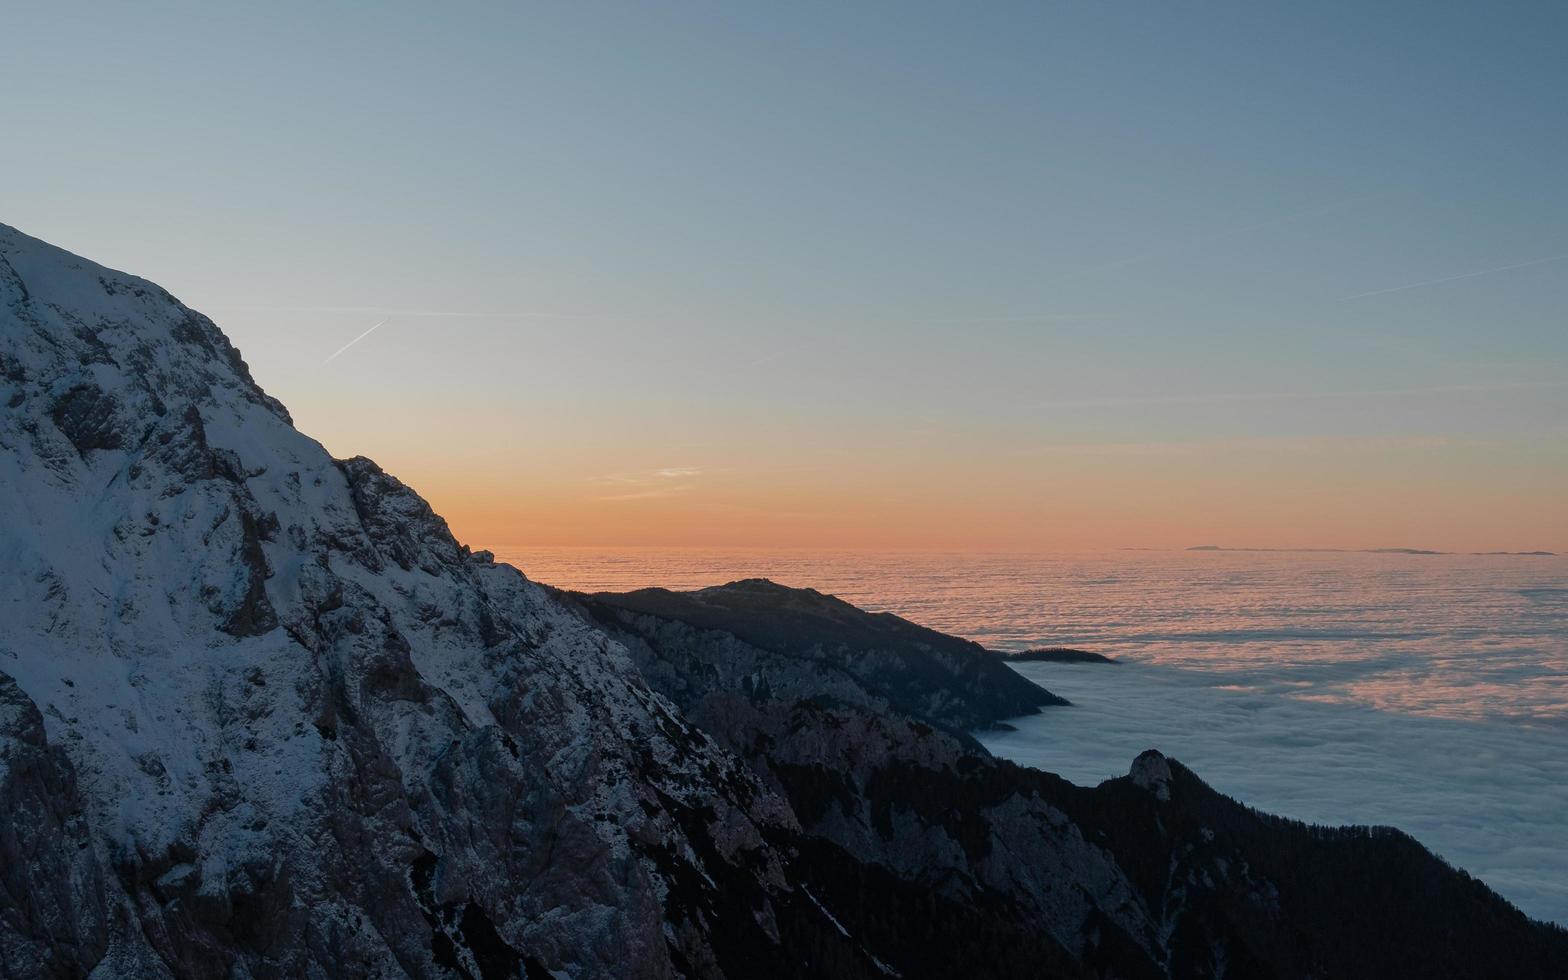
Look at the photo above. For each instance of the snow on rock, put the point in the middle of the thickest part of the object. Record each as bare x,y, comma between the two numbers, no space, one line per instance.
45,852
262,715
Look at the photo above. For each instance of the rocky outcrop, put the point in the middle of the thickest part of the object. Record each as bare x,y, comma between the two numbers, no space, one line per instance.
53,922
1056,655
1151,772
801,636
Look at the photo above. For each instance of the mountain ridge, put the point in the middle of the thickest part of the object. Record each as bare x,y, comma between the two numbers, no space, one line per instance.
901,661
261,715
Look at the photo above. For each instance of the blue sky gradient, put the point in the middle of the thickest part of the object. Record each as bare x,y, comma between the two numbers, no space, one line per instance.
829,253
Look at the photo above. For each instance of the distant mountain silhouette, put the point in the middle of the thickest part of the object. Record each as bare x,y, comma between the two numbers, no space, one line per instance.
1330,551
1362,551
1524,554
956,683
1058,655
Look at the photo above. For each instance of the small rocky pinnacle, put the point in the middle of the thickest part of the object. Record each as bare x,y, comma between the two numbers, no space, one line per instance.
1151,772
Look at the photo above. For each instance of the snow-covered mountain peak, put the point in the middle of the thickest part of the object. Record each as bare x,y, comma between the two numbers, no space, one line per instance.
92,326
277,679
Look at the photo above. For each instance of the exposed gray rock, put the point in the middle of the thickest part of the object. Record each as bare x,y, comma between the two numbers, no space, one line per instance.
86,415
1151,772
53,922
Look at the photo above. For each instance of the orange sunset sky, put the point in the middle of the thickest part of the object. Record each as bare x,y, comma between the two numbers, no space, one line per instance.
1044,278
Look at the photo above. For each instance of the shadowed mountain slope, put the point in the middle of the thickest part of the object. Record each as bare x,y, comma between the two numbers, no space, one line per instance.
945,680
1153,874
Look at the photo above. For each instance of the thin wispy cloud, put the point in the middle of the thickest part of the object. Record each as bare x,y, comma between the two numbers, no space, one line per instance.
769,358
1222,397
333,356
649,494
1289,445
641,477
1020,318
649,484
1465,275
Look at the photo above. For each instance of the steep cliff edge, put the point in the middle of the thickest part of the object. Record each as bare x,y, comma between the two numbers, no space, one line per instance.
265,717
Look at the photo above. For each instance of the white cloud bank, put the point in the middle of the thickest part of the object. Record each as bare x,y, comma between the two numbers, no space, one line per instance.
1490,797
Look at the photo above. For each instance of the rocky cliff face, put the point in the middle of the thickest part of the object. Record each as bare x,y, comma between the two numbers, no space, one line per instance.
261,716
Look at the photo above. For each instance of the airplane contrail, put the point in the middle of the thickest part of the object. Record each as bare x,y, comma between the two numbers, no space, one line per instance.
1467,275
352,343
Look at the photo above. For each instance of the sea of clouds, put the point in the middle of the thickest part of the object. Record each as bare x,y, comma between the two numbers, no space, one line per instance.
1490,797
